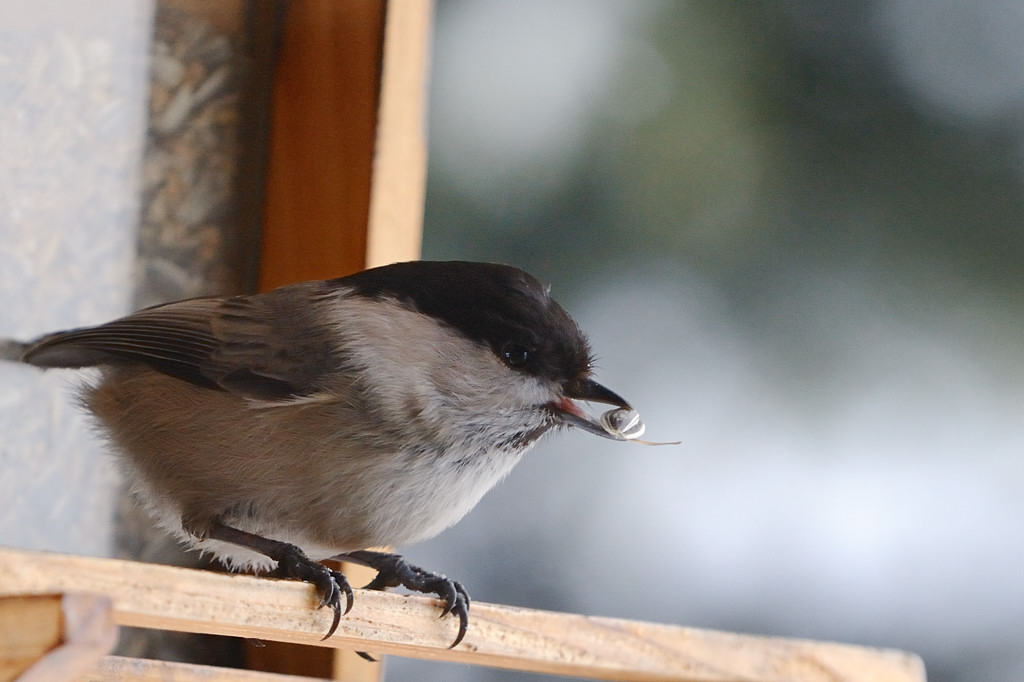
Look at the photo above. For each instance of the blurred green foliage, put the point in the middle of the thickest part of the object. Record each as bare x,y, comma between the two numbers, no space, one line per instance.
786,144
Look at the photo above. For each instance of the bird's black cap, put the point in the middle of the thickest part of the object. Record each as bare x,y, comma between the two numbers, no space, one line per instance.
501,306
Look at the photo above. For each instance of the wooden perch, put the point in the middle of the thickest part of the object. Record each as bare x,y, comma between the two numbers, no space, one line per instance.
153,596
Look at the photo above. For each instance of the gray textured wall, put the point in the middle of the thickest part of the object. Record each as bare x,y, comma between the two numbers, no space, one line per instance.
73,90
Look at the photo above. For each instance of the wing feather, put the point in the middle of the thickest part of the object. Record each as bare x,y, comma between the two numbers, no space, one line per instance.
266,346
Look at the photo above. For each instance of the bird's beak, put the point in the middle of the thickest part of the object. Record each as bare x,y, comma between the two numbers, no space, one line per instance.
586,390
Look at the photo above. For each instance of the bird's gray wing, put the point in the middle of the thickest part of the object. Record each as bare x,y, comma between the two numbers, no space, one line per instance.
266,346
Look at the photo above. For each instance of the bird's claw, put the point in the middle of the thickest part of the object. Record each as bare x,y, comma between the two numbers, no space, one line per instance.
393,570
329,585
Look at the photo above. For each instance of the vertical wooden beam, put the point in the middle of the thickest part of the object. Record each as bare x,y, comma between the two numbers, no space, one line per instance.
30,627
322,141
346,180
400,164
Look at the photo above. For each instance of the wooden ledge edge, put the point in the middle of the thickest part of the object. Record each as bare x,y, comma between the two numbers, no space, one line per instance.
125,669
165,597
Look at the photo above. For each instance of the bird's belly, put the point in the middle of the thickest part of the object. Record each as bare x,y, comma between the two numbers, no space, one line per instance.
422,503
326,497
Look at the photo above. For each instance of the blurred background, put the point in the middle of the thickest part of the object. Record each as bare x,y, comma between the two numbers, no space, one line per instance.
794,234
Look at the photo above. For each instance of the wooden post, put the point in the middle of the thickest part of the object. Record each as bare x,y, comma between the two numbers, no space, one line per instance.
47,637
346,179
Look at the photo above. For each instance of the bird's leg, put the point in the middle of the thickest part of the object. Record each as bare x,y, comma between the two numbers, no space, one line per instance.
292,563
393,570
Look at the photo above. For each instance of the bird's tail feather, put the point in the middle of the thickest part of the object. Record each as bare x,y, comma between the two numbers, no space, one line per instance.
12,350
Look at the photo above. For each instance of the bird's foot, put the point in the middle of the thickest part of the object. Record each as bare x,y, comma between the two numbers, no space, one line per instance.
293,563
393,571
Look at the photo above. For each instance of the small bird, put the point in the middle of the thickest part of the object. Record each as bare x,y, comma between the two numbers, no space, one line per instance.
321,419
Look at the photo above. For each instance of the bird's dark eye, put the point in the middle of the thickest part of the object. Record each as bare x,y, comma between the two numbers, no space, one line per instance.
515,355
